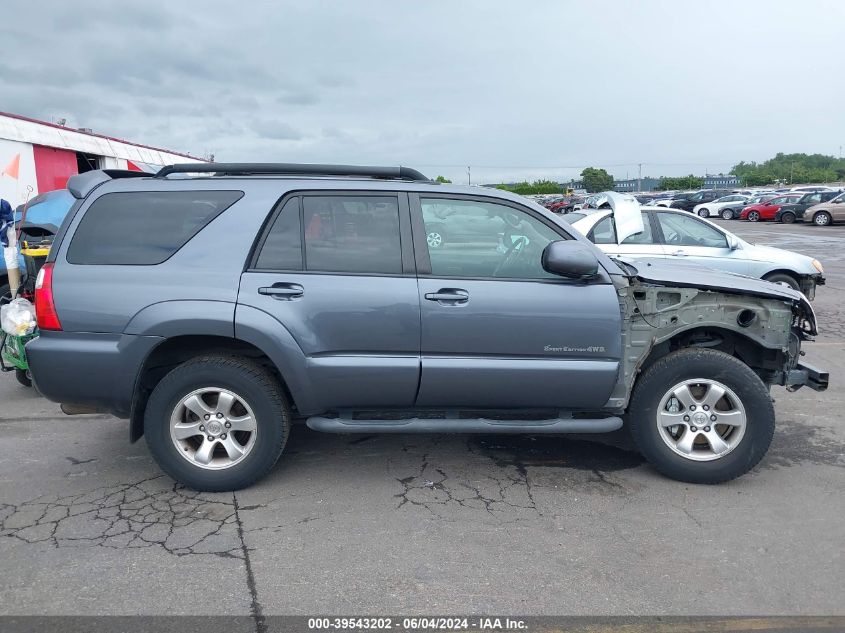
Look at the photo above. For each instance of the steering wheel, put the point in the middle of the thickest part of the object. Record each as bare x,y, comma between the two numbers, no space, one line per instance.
512,254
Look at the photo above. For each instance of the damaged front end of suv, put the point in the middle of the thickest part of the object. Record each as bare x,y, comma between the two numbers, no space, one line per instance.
666,308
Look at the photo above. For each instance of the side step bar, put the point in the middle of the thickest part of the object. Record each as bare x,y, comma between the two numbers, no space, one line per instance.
455,425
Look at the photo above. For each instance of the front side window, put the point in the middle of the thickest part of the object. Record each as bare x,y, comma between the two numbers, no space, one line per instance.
466,238
352,234
684,230
144,228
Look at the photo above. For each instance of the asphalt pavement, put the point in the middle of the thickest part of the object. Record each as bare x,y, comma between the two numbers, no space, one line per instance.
434,524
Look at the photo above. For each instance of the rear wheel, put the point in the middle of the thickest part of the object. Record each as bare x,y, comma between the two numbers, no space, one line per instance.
785,279
704,213
754,216
217,423
788,217
822,218
701,416
727,214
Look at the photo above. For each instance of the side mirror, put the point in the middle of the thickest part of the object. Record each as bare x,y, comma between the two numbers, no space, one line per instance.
733,243
570,259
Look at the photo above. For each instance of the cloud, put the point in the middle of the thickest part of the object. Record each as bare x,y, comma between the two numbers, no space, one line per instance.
542,90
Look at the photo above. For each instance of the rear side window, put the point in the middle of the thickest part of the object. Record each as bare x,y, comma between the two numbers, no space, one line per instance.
144,228
352,234
282,249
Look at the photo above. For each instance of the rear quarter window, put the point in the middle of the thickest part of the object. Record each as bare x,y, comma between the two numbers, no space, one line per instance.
144,228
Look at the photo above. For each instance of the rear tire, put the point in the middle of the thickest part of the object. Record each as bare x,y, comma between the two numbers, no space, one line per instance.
704,213
822,218
727,214
754,216
783,278
744,393
788,218
260,394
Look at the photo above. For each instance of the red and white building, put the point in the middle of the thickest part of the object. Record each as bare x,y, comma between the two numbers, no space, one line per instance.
36,156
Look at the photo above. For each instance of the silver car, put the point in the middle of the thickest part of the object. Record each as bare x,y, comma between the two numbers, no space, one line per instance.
678,234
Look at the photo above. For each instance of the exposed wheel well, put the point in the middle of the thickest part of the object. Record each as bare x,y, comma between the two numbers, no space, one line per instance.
177,350
763,361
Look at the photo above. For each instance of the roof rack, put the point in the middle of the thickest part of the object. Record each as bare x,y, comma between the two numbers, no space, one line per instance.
293,169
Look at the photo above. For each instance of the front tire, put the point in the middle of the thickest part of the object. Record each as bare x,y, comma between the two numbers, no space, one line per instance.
783,278
822,218
704,213
727,214
217,423
672,410
23,377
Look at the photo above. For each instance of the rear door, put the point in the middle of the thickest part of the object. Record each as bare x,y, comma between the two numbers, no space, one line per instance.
497,330
335,269
689,239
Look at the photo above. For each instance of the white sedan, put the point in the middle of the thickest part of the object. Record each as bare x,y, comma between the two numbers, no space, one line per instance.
668,233
734,202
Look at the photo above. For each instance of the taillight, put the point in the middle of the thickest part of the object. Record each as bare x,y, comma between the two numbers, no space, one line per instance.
45,308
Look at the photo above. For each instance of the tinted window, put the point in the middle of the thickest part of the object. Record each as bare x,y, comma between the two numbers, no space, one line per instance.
144,228
604,232
482,239
282,249
356,234
684,230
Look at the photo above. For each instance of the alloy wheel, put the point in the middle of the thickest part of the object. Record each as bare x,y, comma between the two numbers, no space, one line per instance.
213,428
701,419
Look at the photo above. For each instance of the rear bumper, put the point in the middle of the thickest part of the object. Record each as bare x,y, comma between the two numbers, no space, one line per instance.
805,374
89,369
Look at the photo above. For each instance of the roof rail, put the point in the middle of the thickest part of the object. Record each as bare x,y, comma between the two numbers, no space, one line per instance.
293,169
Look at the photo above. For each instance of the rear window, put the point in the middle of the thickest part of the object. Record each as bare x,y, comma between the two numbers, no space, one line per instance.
144,228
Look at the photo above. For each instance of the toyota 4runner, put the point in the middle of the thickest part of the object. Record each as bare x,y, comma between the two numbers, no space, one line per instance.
216,305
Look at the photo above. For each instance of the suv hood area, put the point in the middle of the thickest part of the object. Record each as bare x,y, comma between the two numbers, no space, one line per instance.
659,272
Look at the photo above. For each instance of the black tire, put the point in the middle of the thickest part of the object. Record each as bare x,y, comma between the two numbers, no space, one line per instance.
23,377
788,217
822,218
728,214
783,278
255,384
688,364
704,213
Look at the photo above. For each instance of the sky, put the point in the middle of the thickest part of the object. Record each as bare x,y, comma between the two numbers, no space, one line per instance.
515,90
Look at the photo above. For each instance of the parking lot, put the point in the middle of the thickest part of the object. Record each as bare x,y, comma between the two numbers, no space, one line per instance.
433,524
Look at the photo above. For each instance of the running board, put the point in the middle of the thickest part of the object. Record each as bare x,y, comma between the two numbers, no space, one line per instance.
473,425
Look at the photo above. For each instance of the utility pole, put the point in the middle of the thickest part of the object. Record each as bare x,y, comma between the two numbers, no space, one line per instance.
640,177
469,175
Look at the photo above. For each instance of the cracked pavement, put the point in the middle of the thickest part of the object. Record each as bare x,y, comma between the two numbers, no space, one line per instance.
431,524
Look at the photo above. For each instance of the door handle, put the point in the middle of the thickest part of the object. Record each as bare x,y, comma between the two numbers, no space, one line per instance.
448,296
680,253
282,291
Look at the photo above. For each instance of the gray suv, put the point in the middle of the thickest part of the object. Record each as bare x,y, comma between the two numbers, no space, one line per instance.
216,305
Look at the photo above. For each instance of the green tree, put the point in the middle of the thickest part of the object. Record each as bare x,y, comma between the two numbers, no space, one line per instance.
791,168
443,180
684,182
528,188
596,180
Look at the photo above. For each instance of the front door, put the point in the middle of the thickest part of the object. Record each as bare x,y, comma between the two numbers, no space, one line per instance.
334,271
497,330
692,240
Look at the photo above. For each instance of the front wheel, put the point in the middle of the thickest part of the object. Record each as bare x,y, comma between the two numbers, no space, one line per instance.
23,377
822,218
753,216
783,279
704,213
727,214
701,416
217,423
